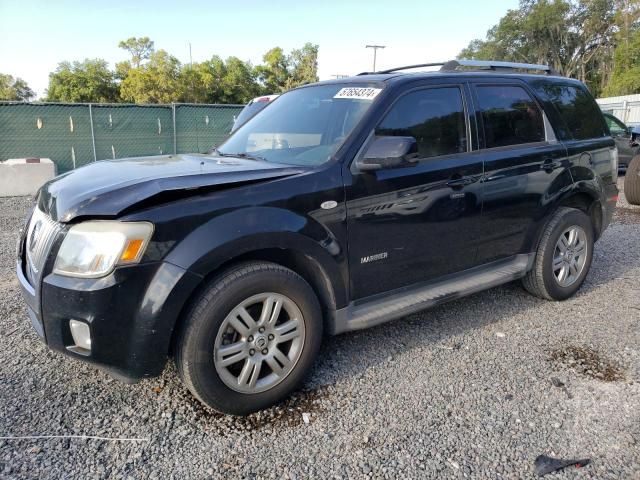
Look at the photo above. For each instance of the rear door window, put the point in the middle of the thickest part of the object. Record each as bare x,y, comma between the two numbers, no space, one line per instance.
434,117
580,118
509,116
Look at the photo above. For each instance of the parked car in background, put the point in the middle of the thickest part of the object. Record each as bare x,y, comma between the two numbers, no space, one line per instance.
251,108
344,205
626,139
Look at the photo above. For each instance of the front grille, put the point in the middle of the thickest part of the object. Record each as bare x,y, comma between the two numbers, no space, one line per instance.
41,234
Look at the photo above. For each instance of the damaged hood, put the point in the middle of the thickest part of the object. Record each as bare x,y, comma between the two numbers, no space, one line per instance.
108,187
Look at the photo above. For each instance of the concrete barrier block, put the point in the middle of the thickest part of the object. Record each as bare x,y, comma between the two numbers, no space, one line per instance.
24,176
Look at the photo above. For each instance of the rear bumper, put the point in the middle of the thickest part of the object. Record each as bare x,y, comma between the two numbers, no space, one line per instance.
131,315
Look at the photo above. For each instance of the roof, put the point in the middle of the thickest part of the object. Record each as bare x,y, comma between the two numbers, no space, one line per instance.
465,68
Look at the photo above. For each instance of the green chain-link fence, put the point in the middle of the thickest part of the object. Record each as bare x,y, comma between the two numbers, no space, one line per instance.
73,135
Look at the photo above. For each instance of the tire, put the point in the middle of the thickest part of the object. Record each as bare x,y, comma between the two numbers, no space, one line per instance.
216,319
542,281
632,181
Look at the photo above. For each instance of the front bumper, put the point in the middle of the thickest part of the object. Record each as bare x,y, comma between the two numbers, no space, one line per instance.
131,314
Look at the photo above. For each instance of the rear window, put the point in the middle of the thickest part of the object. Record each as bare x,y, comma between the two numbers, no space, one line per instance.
509,115
579,116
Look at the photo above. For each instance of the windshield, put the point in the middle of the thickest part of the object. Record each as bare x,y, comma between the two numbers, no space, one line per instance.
304,126
248,112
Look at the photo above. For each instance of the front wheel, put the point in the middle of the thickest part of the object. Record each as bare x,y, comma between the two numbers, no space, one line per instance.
563,257
249,338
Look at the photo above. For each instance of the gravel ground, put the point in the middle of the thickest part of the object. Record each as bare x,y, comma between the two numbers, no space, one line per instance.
472,389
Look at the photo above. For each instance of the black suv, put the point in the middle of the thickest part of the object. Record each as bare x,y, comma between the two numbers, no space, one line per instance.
343,205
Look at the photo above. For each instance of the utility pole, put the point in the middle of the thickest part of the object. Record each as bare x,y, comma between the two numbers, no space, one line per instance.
375,51
190,58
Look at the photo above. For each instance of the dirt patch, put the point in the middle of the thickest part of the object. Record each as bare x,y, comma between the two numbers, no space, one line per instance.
588,362
627,216
284,415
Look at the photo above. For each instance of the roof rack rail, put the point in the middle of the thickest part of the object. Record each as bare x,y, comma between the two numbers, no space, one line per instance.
454,65
407,67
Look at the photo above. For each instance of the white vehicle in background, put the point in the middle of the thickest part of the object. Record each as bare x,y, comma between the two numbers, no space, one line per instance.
251,108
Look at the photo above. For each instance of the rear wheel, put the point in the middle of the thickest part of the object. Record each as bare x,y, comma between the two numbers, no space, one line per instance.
249,338
563,257
632,181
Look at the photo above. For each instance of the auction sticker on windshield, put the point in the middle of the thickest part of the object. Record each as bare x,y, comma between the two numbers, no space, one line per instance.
358,93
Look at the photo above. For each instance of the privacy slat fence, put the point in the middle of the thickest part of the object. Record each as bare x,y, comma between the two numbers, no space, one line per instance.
73,135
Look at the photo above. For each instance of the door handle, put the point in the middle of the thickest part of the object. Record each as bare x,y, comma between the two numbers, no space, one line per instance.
460,182
549,165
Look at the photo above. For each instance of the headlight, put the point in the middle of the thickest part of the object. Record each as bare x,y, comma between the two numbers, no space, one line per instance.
92,249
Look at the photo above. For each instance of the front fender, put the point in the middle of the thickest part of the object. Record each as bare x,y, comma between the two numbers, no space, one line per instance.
230,235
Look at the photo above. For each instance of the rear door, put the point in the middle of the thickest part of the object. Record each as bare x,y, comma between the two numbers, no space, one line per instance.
581,127
525,166
417,222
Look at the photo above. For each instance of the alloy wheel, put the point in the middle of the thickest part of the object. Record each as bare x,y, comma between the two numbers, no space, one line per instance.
259,343
570,256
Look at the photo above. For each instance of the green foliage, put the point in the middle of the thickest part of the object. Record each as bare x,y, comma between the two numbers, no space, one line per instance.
139,48
282,72
625,78
274,74
14,89
303,66
152,76
157,81
218,81
575,37
87,81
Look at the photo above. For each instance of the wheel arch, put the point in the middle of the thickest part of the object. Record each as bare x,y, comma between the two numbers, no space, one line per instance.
584,200
326,284
588,203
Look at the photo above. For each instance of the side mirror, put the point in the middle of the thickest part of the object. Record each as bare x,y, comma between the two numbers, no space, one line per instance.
388,152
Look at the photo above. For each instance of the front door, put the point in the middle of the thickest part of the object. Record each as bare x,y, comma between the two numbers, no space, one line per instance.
418,222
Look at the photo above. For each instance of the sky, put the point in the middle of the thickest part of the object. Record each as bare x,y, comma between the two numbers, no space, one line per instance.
36,35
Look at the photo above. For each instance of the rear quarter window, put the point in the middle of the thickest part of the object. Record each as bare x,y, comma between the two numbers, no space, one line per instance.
578,115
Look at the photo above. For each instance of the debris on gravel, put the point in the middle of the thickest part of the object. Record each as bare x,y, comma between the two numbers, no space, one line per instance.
464,390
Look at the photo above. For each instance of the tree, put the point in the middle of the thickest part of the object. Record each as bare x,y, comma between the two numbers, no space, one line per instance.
575,37
239,82
139,48
303,66
625,78
274,74
14,89
204,82
218,81
157,81
87,81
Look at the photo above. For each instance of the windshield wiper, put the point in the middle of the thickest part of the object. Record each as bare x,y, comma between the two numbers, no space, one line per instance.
248,156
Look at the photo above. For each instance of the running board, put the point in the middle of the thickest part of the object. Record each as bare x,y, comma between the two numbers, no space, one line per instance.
395,305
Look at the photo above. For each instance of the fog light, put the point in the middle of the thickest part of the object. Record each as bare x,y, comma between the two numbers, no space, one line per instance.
81,334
